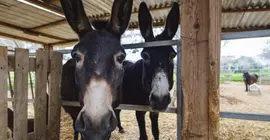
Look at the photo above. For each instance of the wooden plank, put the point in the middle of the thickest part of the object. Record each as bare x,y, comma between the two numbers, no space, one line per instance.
11,63
32,63
21,94
3,93
195,68
30,136
214,67
41,95
54,95
143,108
20,38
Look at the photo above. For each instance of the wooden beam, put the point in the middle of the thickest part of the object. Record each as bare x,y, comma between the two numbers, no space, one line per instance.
214,67
54,1
3,92
46,6
134,25
64,42
246,10
21,38
30,32
200,35
227,30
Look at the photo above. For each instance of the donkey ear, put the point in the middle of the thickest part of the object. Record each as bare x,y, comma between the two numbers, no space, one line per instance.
172,22
145,22
76,16
120,16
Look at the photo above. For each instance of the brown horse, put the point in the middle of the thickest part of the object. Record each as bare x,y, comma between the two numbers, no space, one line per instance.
250,79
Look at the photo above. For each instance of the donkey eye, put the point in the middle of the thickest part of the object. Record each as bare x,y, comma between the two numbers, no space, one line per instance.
121,58
145,56
172,55
76,56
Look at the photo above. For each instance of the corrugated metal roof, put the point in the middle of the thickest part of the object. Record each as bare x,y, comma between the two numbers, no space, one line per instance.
49,28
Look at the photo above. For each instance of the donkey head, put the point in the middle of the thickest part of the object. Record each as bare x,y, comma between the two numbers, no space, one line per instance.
158,61
98,70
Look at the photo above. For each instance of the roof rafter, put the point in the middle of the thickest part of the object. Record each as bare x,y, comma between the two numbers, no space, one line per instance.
46,6
246,10
21,38
53,1
30,32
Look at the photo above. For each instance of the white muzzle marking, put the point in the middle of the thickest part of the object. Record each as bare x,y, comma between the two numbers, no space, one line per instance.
160,84
97,100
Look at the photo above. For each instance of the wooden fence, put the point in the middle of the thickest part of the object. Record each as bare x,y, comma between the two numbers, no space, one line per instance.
48,68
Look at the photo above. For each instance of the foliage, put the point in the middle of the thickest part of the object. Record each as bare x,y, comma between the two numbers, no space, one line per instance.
245,62
241,63
265,53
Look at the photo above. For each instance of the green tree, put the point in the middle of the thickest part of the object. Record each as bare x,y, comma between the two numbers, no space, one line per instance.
265,53
245,62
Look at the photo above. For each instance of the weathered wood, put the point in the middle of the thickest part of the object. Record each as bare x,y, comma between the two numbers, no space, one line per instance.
41,94
54,95
46,6
29,31
21,38
30,136
214,67
11,63
195,68
21,94
3,93
32,63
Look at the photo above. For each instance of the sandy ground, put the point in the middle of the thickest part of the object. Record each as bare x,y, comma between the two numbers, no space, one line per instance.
233,98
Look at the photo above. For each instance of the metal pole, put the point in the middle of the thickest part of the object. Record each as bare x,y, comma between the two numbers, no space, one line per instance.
260,76
179,94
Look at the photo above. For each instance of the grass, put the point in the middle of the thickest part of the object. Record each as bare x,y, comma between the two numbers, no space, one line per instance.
29,84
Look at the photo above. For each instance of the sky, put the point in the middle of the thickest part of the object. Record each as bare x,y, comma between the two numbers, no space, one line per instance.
251,47
244,47
240,47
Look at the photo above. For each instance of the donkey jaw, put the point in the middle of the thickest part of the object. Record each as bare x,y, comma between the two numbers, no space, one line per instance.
160,96
98,100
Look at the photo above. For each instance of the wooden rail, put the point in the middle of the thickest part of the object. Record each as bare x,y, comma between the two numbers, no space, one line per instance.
45,62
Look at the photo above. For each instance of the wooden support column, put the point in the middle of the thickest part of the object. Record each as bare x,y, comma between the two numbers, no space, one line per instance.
200,35
48,47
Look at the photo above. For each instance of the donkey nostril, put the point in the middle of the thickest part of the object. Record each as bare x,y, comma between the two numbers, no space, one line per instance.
80,124
109,123
154,98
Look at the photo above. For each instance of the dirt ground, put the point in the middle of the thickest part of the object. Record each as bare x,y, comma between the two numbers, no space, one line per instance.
233,98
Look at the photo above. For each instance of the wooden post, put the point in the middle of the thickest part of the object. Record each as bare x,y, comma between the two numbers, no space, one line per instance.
214,67
54,95
21,93
3,92
48,47
41,95
200,35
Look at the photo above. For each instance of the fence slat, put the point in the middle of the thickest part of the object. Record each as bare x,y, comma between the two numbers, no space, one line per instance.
41,95
3,92
21,93
11,64
54,95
